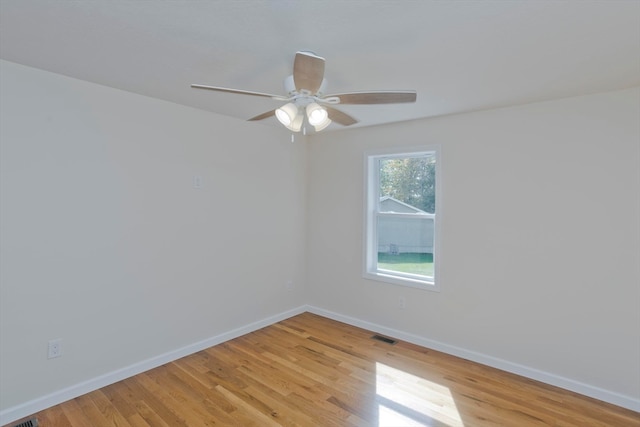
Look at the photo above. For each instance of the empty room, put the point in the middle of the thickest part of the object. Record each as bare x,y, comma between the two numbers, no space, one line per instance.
319,213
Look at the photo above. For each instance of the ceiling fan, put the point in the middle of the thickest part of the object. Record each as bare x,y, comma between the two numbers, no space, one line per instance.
306,100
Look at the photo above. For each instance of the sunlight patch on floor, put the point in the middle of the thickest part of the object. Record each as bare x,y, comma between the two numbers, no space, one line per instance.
408,400
389,418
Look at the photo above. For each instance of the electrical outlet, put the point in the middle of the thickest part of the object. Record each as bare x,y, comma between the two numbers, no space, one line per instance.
55,349
197,182
289,285
402,303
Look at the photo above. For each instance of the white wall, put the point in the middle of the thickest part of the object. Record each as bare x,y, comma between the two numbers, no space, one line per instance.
525,276
107,245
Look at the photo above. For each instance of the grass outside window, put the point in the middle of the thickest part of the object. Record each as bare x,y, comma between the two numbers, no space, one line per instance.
412,263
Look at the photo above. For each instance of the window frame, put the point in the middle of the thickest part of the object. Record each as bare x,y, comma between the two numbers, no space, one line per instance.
372,213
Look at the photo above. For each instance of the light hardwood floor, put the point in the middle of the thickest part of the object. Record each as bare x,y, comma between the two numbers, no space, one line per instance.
313,371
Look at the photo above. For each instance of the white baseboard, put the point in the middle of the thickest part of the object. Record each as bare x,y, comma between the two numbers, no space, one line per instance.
531,373
36,405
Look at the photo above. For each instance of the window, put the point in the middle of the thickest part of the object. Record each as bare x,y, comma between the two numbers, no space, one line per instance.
402,208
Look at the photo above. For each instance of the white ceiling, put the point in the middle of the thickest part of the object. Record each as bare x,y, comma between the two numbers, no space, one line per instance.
459,55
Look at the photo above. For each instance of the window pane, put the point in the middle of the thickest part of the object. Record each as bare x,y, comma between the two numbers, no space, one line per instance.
405,244
408,184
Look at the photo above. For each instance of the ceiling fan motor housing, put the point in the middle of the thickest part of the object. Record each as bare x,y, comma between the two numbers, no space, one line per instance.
290,88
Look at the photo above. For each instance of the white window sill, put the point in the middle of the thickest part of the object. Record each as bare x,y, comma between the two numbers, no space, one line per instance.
418,283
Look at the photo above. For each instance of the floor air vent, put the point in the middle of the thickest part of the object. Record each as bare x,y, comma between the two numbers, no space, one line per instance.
384,339
33,422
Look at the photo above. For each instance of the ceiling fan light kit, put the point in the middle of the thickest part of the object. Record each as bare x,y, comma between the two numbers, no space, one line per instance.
292,116
305,97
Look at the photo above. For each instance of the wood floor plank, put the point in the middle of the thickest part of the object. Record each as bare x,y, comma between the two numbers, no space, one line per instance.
151,406
74,413
53,417
312,371
150,416
247,409
111,413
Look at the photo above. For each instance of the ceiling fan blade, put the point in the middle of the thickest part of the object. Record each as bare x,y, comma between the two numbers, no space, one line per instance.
340,117
263,116
241,92
380,97
308,72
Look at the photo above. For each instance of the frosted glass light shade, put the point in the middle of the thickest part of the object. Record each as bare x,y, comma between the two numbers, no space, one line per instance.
297,123
290,117
316,114
287,114
326,122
